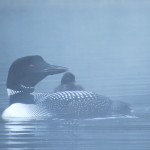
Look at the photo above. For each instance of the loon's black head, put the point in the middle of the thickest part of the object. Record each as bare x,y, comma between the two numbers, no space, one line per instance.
26,72
68,77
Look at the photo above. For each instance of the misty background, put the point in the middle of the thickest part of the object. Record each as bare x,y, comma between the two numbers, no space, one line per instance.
104,43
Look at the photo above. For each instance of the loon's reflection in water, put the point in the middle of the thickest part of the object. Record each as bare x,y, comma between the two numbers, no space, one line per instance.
41,134
56,134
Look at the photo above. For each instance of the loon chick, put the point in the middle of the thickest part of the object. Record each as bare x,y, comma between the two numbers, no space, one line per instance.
68,83
23,75
26,72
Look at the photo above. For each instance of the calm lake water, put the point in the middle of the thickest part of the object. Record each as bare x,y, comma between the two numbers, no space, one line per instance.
105,44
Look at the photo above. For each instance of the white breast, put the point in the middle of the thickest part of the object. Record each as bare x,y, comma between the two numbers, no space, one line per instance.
18,110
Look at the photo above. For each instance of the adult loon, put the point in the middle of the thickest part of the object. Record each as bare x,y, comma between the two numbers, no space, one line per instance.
23,75
27,71
68,83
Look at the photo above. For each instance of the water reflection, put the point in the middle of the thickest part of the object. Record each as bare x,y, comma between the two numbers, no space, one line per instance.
61,134
75,134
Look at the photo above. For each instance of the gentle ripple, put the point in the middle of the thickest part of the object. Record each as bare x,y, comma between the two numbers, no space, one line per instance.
114,134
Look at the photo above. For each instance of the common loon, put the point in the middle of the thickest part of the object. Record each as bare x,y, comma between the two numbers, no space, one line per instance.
68,83
26,72
23,75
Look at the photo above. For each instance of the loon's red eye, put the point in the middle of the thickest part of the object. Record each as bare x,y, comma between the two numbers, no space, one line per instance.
31,65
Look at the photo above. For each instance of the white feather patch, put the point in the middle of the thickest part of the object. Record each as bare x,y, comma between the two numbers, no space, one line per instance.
19,110
12,92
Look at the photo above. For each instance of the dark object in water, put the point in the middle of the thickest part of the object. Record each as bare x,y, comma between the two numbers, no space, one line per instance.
68,83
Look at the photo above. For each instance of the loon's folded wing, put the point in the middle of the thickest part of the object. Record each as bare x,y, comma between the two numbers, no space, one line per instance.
77,104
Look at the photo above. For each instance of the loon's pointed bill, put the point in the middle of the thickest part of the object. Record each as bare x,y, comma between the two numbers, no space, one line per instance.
53,69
